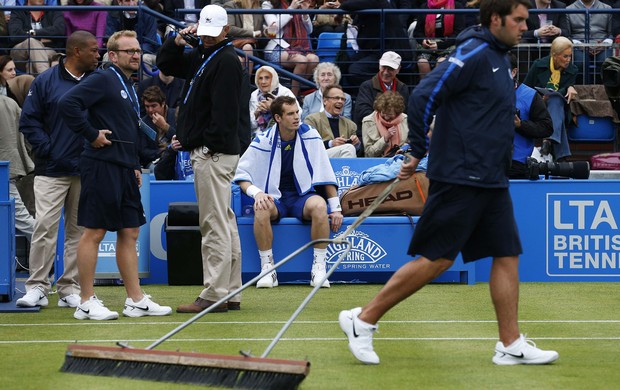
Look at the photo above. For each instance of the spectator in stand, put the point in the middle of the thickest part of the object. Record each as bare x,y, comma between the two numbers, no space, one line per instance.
7,3
339,134
385,130
290,46
7,72
329,22
170,7
170,85
594,47
532,121
556,73
245,29
269,88
160,118
473,18
13,149
143,24
92,21
436,33
4,28
325,74
18,88
35,36
543,28
369,29
384,80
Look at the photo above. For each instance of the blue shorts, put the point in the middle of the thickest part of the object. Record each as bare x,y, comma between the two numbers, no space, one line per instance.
291,204
110,196
478,222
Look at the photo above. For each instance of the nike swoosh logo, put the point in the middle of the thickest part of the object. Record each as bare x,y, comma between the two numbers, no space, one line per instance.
354,332
495,70
146,308
42,296
85,311
520,356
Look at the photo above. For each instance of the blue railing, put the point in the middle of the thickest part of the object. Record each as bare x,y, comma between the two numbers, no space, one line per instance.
529,51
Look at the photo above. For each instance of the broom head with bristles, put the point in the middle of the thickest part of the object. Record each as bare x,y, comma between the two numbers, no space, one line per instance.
186,367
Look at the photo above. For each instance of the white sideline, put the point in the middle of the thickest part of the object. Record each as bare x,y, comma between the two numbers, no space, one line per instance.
303,339
121,322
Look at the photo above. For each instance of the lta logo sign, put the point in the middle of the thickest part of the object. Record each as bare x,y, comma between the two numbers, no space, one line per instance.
365,253
582,235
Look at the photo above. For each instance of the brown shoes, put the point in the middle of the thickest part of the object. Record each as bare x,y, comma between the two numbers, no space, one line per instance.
200,304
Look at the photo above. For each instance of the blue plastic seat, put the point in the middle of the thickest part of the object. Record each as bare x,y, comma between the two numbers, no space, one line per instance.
328,45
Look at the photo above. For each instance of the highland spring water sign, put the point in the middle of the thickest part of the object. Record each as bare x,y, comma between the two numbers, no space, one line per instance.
582,234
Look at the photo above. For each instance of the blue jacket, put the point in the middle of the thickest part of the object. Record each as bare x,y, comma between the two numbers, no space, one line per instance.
102,102
472,95
56,149
523,146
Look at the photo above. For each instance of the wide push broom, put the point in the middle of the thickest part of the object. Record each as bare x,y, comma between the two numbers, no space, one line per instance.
243,371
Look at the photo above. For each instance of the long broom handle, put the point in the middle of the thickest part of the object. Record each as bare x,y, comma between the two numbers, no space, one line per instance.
342,239
233,293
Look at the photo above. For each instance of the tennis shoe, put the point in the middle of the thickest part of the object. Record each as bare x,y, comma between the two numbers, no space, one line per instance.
32,298
145,307
268,281
317,274
359,334
71,300
522,351
93,309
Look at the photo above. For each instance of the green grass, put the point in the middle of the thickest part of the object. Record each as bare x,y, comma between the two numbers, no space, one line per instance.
442,337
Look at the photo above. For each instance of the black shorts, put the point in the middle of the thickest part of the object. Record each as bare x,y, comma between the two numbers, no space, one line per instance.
110,197
478,222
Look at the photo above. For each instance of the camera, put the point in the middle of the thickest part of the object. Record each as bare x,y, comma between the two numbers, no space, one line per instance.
190,39
573,170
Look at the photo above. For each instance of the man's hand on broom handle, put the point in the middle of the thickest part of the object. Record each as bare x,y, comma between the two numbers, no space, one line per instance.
408,168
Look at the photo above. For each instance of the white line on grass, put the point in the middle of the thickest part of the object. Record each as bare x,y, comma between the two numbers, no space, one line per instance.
113,323
303,339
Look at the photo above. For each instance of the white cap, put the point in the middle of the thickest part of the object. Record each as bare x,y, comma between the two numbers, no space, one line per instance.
213,18
389,58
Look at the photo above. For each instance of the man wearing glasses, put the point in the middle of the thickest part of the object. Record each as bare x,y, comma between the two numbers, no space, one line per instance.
337,132
104,109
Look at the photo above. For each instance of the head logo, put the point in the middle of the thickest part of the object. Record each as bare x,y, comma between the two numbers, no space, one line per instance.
346,178
364,250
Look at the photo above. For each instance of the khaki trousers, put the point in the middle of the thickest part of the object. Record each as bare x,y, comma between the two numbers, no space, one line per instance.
221,248
51,195
31,56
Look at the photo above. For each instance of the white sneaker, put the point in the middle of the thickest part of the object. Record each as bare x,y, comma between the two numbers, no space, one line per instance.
33,297
359,334
71,300
145,307
268,281
317,274
522,351
93,309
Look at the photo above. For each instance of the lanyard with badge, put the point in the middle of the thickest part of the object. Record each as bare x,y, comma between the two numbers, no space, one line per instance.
146,129
200,70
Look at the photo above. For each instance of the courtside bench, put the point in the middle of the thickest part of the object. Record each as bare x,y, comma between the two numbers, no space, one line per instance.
379,244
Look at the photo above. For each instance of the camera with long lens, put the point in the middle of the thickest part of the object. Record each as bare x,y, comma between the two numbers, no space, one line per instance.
573,170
